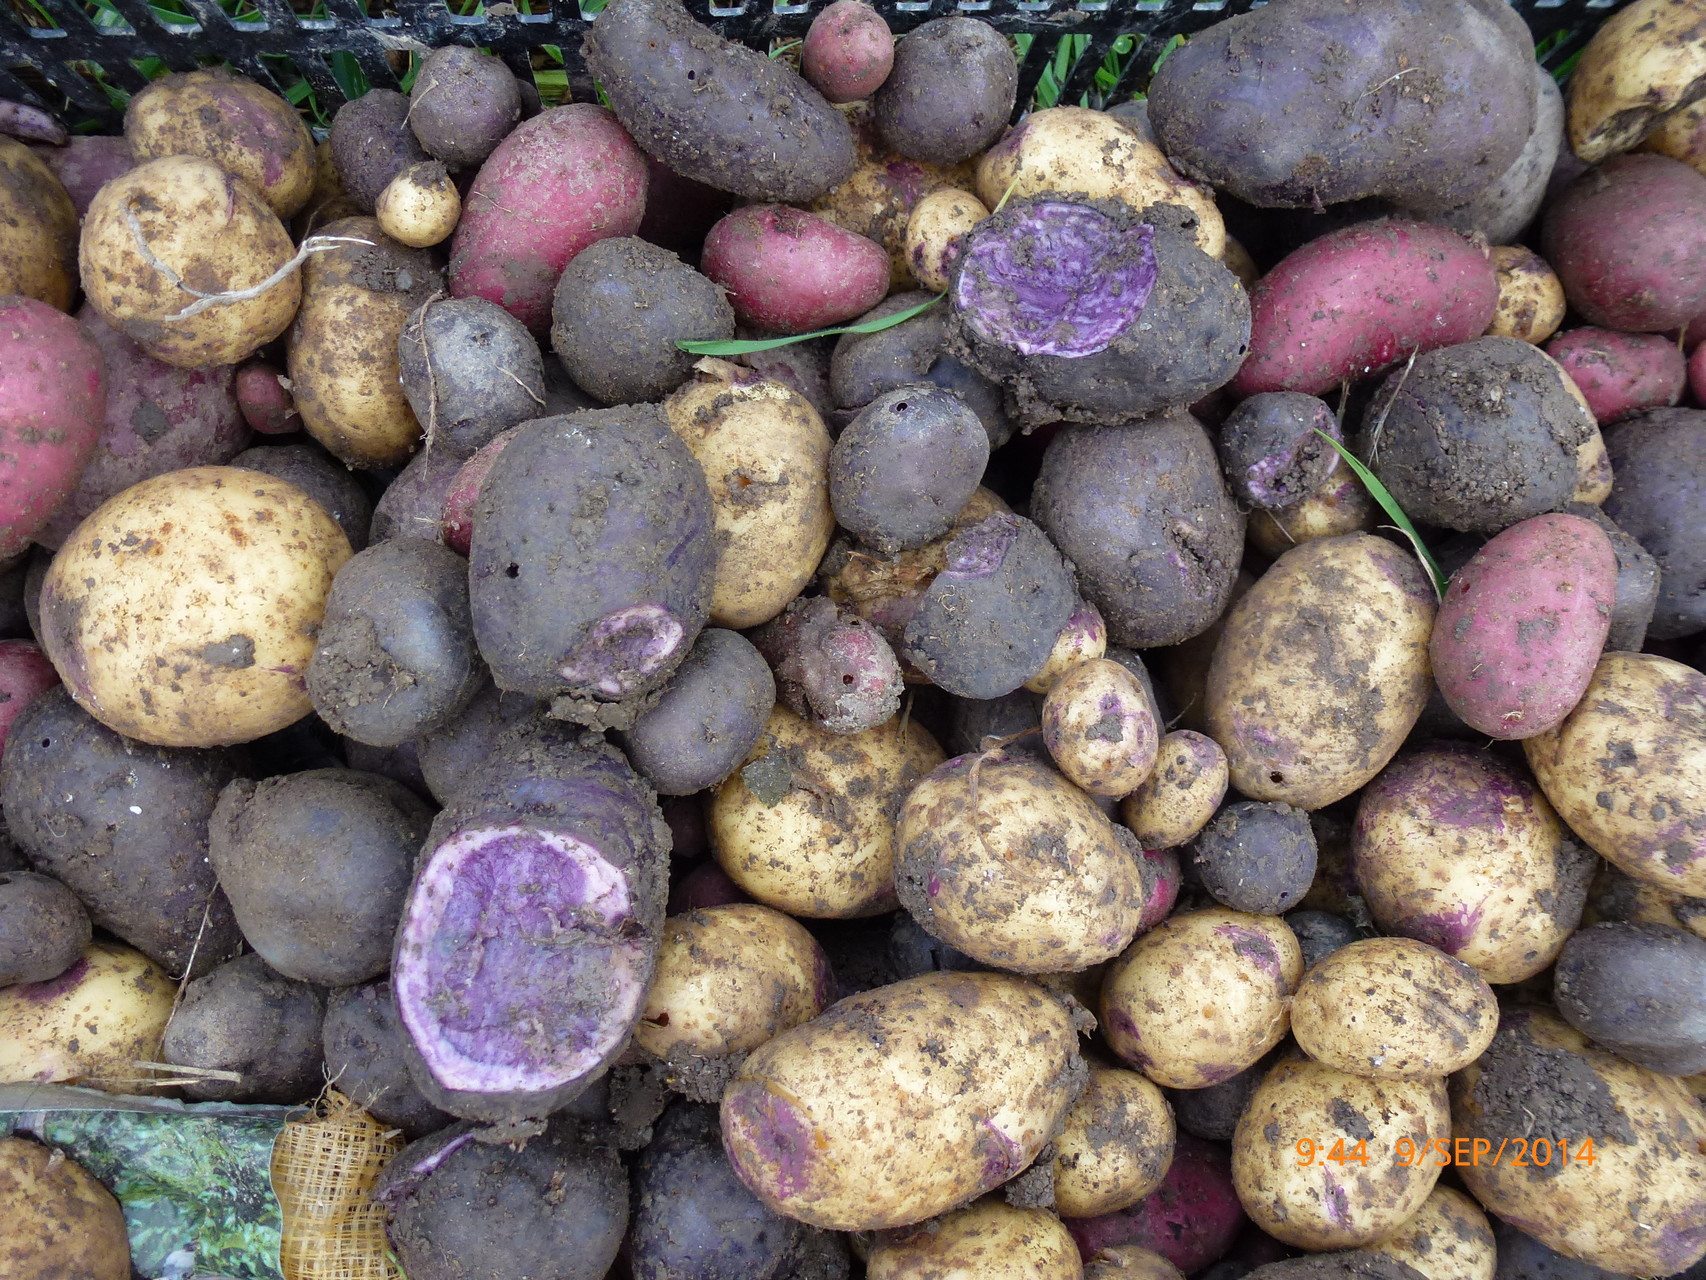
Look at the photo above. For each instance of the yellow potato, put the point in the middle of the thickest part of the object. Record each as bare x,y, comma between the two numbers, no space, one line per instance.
183,611
246,130
1593,470
1098,724
1447,1239
345,370
1640,65
1128,1262
878,200
1326,1160
1202,996
1115,1145
1682,136
1393,1009
38,229
1531,297
56,1221
1306,715
328,202
1627,769
903,1102
807,826
90,1025
1083,639
1341,505
990,1240
1616,896
161,238
1236,259
728,979
1074,150
1631,1196
765,453
934,230
420,206
1181,795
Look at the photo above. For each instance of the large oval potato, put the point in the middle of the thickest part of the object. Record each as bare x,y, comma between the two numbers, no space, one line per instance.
1627,769
1298,1153
991,1240
1307,714
1642,64
345,369
183,611
161,238
91,1024
807,826
765,453
1603,1160
38,229
901,1103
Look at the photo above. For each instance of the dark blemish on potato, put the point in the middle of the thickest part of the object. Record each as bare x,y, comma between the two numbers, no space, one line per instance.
1350,1120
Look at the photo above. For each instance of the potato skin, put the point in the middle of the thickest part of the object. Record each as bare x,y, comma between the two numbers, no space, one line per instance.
1341,505
1393,1009
1099,726
1115,1145
247,1018
1640,1207
88,1025
1181,795
1660,460
44,929
789,271
1323,1204
1638,990
463,104
1621,373
370,143
848,51
990,1239
1448,1238
1531,298
1627,769
1300,718
815,1127
61,1224
38,251
1640,67
950,91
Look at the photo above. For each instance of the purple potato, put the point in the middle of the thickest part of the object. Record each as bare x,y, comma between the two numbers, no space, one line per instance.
1639,990
412,505
709,717
1256,857
245,1017
950,92
1270,452
449,755
470,371
1659,459
43,928
363,1043
463,103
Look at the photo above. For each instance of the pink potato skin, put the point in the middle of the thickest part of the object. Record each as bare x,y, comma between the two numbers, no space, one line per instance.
1522,625
1621,373
1169,876
1357,300
1191,1220
566,178
265,399
25,674
458,523
85,165
788,271
53,399
1628,242
848,51
1697,375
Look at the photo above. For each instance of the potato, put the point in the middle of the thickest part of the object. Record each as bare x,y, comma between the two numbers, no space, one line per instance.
729,979
1244,969
807,826
420,206
831,667
199,224
1191,1220
877,201
183,611
999,858
1302,1118
463,104
1271,448
1356,1264
1660,457
1300,718
44,929
1115,1145
1522,625
848,51
765,452
988,1239
950,92
363,1042
470,371
815,1126
934,229
61,1224
38,253
248,131
1621,373
1678,135
1256,857
1593,464
1448,1238
1077,152
1131,1262
1084,638
90,1025
789,271
1341,505
84,165
1638,990
1393,1009
322,477
1627,769
1319,317
248,1019
1544,1092
1531,298
1458,849
1181,795
1099,727
1642,64
370,143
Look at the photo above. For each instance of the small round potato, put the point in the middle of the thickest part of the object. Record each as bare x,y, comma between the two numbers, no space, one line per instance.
933,234
44,929
987,1066
420,206
1115,1145
1394,1009
765,453
60,1223
243,128
1531,297
1449,1238
1627,769
1297,1153
1083,639
1202,996
1177,800
991,1240
1074,150
1002,859
90,1025
183,611
179,224
807,826
1099,727
1129,1262
38,229
1341,505
728,979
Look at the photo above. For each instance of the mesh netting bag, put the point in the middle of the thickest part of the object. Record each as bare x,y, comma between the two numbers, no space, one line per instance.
324,1170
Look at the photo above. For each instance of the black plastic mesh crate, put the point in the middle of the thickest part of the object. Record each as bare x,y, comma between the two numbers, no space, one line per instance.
80,58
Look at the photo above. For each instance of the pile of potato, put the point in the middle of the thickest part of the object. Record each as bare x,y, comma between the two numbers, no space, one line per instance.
991,792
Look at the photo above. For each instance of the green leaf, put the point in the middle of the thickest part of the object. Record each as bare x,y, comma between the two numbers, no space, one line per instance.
742,346
782,49
1389,504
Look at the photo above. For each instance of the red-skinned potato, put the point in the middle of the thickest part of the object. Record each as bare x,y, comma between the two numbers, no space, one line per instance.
789,271
847,52
1620,373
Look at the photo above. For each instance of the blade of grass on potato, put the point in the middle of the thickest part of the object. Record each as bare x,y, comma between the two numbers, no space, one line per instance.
1389,504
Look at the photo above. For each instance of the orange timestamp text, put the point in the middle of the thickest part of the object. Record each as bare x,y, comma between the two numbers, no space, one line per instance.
1515,1153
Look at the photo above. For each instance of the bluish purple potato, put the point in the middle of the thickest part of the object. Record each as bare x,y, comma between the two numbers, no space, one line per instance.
1659,458
363,1044
1270,450
949,93
43,928
1256,857
245,1017
1638,990
470,371
831,667
463,103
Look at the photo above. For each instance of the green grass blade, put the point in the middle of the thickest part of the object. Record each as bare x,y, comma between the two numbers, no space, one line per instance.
1389,504
743,346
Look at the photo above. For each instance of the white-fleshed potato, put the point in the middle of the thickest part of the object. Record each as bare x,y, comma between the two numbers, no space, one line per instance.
1449,1238
934,230
420,206
990,1239
1181,795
